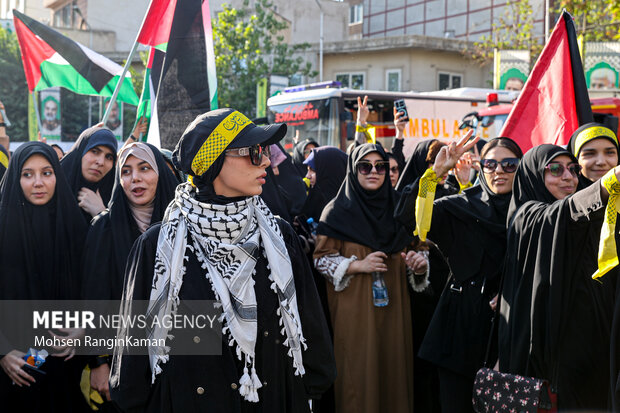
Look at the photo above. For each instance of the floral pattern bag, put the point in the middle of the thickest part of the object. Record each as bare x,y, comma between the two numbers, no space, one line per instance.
509,393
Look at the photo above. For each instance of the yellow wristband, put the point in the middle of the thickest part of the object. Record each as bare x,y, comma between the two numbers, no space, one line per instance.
359,128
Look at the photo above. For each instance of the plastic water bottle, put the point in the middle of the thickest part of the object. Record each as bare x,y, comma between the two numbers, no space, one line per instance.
313,225
379,290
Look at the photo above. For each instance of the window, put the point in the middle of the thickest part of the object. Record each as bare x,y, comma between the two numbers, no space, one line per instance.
351,80
450,81
356,13
392,80
65,17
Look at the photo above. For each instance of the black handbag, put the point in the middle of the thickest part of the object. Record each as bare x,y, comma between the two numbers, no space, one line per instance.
497,392
503,392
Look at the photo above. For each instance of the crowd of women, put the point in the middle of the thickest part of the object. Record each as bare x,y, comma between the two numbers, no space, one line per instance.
348,281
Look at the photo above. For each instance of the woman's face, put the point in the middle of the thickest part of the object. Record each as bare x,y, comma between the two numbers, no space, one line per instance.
311,175
499,181
566,183
394,172
373,180
96,163
597,157
38,180
308,149
139,181
239,177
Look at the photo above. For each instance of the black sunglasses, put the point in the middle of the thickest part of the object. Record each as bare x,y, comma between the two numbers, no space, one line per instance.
557,169
256,153
365,167
509,165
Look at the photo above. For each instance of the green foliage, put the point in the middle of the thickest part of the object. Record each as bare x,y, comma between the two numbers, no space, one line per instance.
13,88
249,45
597,20
513,30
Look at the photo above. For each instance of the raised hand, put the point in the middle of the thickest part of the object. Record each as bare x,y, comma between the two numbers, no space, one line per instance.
362,111
141,127
450,154
399,123
463,168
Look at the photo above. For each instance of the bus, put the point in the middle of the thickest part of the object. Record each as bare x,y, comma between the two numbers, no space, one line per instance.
327,113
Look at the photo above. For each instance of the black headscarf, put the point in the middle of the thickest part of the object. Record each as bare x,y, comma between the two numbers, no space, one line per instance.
529,183
331,168
274,198
109,243
583,181
292,186
364,217
40,246
417,165
72,162
298,156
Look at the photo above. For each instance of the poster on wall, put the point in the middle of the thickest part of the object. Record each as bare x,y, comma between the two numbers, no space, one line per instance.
50,113
602,64
511,69
115,119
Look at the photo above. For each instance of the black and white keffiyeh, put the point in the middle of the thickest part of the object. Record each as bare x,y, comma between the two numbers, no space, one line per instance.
224,239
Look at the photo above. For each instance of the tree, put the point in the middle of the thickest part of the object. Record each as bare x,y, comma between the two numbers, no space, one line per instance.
598,20
513,30
13,88
249,46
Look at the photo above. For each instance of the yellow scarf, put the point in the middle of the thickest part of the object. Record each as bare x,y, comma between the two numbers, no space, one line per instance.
607,254
424,203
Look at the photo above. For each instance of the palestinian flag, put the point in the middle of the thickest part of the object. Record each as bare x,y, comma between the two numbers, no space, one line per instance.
554,101
51,59
180,81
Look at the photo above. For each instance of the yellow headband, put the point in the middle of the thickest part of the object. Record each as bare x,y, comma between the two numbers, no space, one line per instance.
4,160
587,135
218,140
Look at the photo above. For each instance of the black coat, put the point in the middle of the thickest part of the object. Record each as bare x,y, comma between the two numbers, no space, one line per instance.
556,321
469,230
176,388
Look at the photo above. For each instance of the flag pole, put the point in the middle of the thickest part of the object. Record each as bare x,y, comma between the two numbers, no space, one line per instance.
36,111
125,68
120,82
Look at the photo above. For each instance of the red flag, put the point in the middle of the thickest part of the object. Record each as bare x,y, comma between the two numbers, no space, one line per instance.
554,100
157,24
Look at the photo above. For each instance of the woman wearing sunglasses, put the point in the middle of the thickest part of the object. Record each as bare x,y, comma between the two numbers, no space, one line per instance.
596,149
470,230
359,241
219,241
555,319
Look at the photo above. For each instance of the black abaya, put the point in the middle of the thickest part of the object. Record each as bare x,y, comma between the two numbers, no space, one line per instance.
555,319
40,248
175,389
331,167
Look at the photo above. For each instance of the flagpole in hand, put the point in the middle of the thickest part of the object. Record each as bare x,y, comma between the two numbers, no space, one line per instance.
125,69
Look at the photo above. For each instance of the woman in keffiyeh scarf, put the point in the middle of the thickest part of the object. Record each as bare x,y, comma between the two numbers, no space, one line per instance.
218,241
